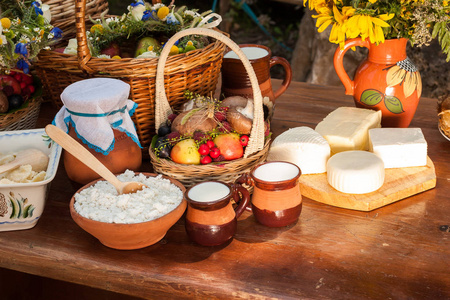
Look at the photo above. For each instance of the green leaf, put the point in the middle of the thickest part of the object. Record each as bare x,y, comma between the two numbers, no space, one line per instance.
371,97
393,104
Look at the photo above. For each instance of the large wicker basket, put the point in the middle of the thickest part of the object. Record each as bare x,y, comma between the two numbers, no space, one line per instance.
257,148
24,118
197,70
63,13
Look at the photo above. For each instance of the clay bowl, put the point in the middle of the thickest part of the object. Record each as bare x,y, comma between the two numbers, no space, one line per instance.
130,236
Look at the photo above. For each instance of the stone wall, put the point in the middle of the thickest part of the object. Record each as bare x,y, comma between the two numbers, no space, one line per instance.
312,60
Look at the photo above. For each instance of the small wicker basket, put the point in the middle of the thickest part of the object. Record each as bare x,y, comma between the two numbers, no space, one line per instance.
227,171
197,70
24,118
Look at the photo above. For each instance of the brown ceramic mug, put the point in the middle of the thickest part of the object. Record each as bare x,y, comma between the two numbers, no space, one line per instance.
276,199
235,79
211,219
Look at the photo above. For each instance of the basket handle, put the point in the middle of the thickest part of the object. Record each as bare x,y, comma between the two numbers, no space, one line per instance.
83,53
162,106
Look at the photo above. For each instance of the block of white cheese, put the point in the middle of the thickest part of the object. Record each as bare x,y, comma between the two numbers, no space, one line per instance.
355,172
346,128
399,147
302,146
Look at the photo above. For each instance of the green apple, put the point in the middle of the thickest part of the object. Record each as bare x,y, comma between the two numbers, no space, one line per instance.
185,152
144,44
229,145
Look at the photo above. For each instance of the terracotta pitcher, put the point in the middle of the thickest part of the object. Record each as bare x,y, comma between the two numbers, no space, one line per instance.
387,80
235,79
211,219
276,199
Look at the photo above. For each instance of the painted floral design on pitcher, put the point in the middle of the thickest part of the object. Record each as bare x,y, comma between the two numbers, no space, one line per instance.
386,80
403,73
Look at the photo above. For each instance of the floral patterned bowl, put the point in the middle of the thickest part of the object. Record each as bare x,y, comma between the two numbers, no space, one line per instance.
22,204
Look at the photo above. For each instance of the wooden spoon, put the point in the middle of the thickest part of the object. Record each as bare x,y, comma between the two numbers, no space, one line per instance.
34,157
77,150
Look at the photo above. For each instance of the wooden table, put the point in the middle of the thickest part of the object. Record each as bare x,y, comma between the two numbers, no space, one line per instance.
400,251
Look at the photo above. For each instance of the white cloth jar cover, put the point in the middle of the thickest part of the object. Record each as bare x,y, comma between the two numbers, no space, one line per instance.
94,107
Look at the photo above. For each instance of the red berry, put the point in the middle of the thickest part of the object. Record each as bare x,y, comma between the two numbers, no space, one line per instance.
224,108
18,77
27,79
244,140
220,116
31,88
214,152
205,160
210,144
203,149
23,85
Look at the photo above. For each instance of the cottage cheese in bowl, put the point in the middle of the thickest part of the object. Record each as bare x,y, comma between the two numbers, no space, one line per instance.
130,221
101,202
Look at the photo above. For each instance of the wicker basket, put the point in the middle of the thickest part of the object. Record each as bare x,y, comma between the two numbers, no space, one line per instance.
228,171
63,13
24,118
197,70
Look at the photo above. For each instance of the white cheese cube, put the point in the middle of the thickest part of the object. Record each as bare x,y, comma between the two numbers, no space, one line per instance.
399,147
355,172
346,128
302,146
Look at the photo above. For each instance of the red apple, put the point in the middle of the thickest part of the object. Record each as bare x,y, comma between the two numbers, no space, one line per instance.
6,80
229,145
185,152
112,50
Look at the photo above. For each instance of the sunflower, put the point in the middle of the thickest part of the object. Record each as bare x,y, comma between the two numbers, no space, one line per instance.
406,74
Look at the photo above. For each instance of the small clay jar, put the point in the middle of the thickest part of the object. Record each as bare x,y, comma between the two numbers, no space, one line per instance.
125,155
211,219
276,199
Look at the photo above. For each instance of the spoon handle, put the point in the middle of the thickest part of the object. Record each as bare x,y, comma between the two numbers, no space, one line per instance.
9,166
77,150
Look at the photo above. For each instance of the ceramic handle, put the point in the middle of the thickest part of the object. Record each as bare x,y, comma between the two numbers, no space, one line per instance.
244,200
339,63
275,60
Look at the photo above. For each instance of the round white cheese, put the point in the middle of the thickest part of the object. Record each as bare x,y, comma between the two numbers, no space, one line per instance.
355,172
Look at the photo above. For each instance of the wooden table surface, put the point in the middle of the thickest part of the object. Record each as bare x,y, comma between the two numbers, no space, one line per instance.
400,251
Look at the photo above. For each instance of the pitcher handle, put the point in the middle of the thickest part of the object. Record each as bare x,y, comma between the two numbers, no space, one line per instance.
339,63
276,60
243,201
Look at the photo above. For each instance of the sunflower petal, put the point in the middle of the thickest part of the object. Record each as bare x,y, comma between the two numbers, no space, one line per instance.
395,76
419,84
409,85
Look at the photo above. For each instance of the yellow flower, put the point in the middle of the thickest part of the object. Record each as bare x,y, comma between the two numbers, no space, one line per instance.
116,57
97,28
162,12
372,1
6,23
174,50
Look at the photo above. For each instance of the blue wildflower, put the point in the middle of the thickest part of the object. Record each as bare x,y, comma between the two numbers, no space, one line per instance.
23,65
138,2
57,33
171,19
21,48
37,8
147,15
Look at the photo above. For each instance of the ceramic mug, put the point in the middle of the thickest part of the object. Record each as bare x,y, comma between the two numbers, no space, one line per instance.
235,79
211,219
276,199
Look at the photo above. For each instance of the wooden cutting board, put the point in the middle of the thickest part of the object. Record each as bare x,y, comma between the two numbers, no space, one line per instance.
398,184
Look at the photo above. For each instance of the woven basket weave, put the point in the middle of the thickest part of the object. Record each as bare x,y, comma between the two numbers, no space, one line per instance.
228,171
63,13
197,70
24,118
